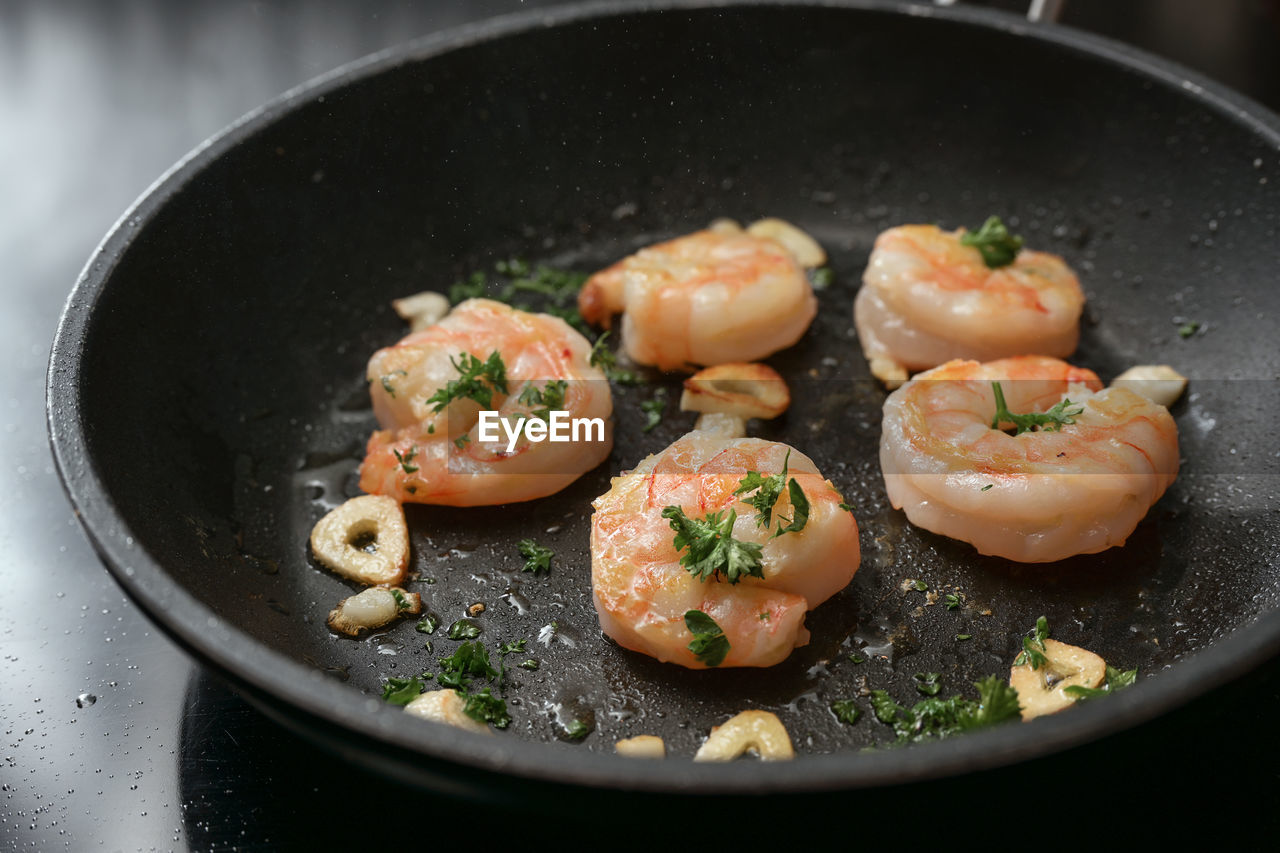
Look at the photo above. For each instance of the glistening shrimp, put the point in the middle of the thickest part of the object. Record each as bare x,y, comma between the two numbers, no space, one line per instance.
795,542
429,389
715,296
1083,469
929,296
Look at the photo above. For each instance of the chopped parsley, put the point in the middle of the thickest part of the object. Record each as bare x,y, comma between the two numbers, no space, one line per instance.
988,487
529,664
1050,421
709,645
846,711
464,629
537,558
401,691
386,382
462,441
505,649
964,637
822,278
473,287
919,585
653,408
577,730
402,603
939,718
1033,646
1188,329
767,491
1116,680
857,659
927,682
993,241
550,397
952,600
427,625
470,660
844,506
603,358
477,380
484,707
406,459
709,547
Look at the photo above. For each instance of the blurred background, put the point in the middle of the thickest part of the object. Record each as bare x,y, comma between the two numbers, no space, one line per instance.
112,738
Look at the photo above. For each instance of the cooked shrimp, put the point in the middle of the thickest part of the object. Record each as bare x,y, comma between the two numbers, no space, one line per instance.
416,457
711,297
927,298
642,592
1035,497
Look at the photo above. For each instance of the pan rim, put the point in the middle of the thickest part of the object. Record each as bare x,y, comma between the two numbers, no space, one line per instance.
263,671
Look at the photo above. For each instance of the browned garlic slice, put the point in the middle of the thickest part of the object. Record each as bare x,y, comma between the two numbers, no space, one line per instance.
1159,383
1042,691
718,423
755,731
888,371
339,540
641,746
804,248
373,608
422,309
445,706
741,389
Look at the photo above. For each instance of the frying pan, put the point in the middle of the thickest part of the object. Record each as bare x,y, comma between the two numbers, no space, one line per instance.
207,403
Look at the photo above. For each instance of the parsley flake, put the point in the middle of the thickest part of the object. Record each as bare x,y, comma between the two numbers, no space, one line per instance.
919,585
993,241
537,558
401,691
1050,421
1033,646
1186,330
386,382
604,358
402,603
709,645
406,459
846,711
464,629
427,625
653,408
577,730
952,600
709,547
549,398
939,718
484,707
927,682
1116,680
477,381
470,660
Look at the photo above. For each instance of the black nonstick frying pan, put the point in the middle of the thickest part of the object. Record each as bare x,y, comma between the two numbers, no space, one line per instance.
207,402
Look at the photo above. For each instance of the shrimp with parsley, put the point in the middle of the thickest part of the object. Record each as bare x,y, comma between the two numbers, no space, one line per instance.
428,391
711,552
929,296
1025,458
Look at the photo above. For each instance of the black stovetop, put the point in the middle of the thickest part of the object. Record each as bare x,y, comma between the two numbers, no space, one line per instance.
114,739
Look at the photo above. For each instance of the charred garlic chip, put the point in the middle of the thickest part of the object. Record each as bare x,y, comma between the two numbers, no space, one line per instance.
725,225
642,746
720,424
445,706
366,539
751,731
802,247
744,390
1159,383
373,608
1042,691
888,371
422,309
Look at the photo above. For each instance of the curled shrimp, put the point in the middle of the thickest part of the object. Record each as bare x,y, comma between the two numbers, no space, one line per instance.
714,296
1035,497
425,456
641,590
927,298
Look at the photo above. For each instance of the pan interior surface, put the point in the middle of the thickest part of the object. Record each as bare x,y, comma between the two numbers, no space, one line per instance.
220,378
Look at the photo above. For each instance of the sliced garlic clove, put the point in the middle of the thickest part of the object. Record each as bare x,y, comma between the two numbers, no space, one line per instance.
1042,691
339,540
373,608
724,225
1159,383
745,390
888,371
804,248
422,309
751,731
445,706
641,746
720,424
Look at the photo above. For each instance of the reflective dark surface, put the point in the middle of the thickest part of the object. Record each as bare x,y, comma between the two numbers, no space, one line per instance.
96,100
